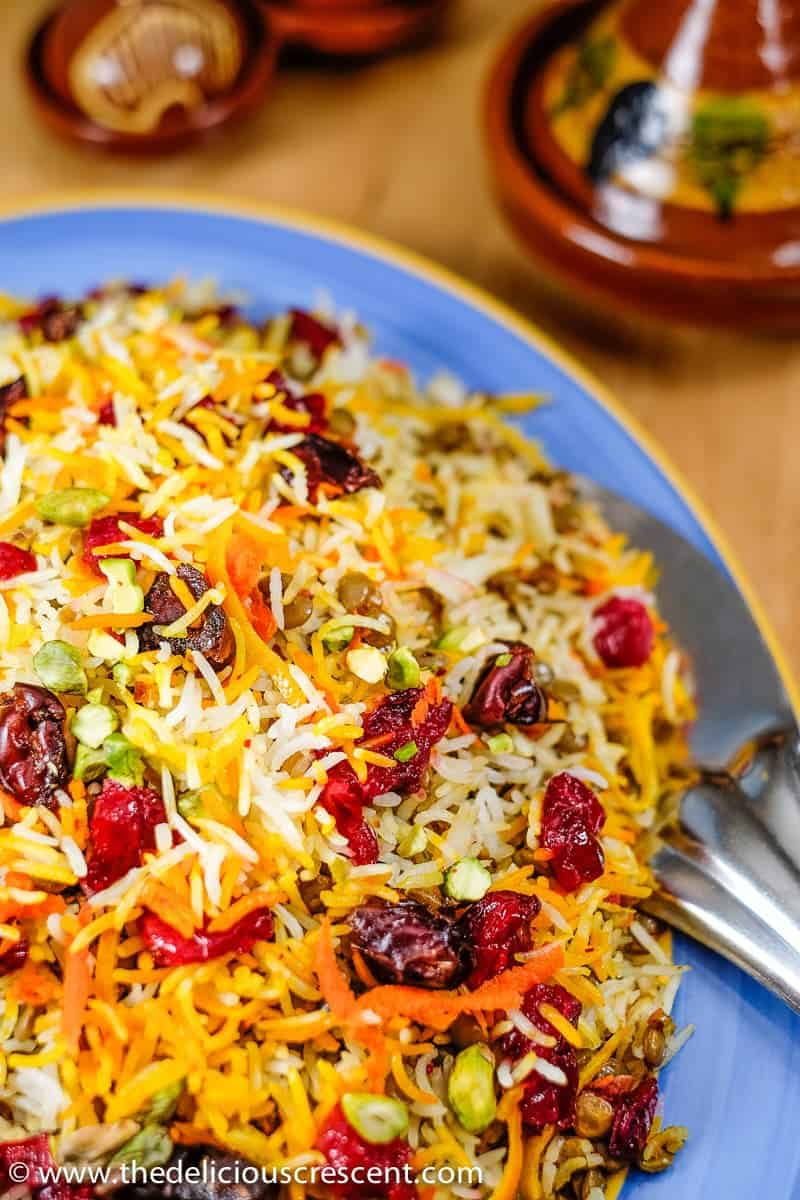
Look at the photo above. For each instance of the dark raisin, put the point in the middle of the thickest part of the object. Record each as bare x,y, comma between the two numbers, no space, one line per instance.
212,638
202,1173
407,943
33,748
506,691
56,321
328,462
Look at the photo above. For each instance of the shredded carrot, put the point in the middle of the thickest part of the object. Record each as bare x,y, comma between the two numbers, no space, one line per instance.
335,989
362,970
459,721
508,1186
257,650
435,1009
77,980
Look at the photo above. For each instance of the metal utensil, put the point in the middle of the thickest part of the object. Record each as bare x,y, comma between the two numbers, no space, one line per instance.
730,877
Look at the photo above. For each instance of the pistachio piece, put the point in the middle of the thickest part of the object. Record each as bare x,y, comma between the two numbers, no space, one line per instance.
126,595
93,723
338,639
377,1119
151,1147
59,666
73,506
403,670
367,663
467,880
470,1088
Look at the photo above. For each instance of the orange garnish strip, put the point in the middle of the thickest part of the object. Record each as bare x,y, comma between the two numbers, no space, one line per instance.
77,980
438,1010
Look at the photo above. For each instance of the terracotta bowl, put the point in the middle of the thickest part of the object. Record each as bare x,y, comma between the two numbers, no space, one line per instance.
198,65
354,28
625,165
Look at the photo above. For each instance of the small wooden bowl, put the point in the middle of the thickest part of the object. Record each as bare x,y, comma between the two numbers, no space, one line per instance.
662,258
354,28
212,61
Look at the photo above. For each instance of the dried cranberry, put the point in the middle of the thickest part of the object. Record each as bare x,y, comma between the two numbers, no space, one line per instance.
106,414
211,638
33,749
312,332
498,927
545,1102
407,943
344,795
515,1044
328,462
171,949
633,1118
358,1164
626,635
15,561
34,1153
61,1190
14,957
122,827
106,531
506,691
56,321
571,816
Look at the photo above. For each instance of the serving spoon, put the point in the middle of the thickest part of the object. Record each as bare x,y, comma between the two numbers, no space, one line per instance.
729,876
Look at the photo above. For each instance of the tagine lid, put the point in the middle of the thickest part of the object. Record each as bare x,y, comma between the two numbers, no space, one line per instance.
149,74
354,28
656,139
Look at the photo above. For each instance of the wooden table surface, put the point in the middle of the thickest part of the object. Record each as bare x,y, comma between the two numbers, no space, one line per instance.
396,149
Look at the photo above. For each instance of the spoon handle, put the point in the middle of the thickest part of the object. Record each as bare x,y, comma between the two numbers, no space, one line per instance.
727,882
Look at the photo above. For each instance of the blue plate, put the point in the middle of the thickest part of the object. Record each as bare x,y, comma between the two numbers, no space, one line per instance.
737,1084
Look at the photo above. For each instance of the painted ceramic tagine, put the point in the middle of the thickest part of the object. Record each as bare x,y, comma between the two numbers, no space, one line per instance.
149,74
354,28
651,152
